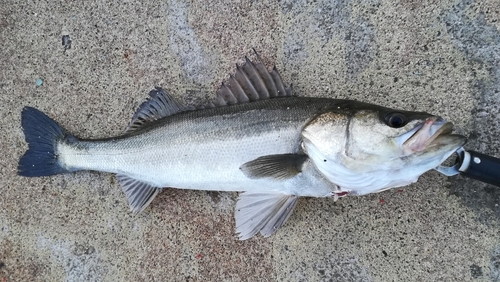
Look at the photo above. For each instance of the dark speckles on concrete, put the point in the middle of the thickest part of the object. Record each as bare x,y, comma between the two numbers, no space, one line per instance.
331,19
202,244
16,266
480,43
476,271
194,60
495,265
336,269
360,41
79,262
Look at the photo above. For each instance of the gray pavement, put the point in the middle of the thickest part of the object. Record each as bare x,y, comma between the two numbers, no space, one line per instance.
441,57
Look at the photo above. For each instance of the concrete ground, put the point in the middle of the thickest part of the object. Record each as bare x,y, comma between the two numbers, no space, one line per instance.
441,57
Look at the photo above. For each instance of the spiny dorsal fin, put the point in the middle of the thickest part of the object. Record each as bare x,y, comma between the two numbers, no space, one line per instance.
261,212
251,82
139,194
279,167
158,105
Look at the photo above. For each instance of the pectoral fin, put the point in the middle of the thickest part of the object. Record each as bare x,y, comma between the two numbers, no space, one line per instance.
139,194
262,212
280,167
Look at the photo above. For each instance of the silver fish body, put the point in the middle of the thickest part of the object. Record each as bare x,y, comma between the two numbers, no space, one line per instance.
205,149
255,138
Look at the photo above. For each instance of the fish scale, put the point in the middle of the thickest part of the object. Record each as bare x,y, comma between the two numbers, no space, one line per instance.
162,153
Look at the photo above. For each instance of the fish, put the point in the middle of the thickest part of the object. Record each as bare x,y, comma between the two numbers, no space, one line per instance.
256,138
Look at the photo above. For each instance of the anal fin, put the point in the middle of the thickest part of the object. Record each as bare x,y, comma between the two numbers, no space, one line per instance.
262,212
139,194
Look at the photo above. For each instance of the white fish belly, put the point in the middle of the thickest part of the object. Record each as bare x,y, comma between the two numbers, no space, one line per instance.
213,164
210,165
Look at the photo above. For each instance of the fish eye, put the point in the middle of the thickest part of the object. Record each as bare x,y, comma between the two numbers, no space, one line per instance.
395,120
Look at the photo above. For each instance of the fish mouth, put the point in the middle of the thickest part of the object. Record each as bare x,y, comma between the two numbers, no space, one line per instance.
435,132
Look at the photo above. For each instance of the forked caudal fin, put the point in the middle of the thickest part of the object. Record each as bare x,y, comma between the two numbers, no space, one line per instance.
42,135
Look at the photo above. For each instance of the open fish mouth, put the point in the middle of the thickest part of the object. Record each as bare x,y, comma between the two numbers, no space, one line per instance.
433,132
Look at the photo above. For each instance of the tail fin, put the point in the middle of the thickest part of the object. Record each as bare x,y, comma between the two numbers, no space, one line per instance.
42,135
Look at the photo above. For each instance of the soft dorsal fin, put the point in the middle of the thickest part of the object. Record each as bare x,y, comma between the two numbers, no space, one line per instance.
158,105
251,82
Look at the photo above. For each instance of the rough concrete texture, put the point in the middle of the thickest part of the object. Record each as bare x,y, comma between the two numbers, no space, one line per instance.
436,56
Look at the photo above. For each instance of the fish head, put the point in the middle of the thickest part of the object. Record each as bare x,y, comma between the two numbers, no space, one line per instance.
365,148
